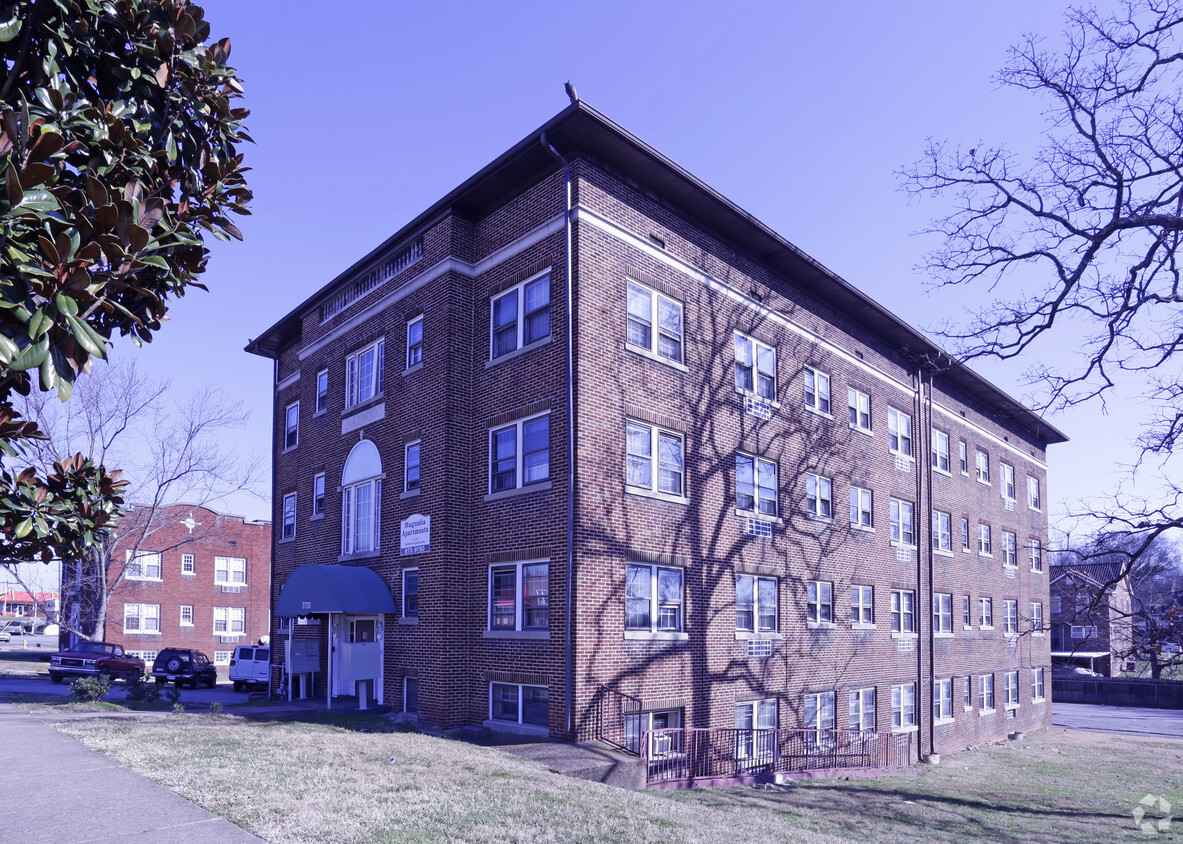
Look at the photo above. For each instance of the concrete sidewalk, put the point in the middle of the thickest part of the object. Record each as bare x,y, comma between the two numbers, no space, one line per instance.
69,792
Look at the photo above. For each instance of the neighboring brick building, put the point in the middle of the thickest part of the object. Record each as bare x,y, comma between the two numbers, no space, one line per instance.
753,470
1091,616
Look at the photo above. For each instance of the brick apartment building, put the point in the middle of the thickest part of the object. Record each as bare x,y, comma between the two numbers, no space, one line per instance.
192,578
782,506
1091,621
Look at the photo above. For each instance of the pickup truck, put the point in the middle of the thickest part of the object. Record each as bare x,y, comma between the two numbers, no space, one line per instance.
90,659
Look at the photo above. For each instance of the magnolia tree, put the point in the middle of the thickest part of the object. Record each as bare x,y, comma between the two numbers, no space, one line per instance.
118,153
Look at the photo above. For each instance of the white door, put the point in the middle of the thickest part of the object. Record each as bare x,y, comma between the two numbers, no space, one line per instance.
358,655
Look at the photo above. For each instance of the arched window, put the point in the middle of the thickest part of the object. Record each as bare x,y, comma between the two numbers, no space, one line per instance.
361,494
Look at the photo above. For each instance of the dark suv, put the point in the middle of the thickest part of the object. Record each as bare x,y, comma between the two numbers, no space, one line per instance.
181,666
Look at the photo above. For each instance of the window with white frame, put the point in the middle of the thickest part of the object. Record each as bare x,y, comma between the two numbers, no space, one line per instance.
361,497
1037,684
903,611
942,613
222,657
1035,555
520,316
861,507
755,604
655,459
862,709
291,426
188,564
903,706
963,457
1006,480
986,692
415,341
819,502
411,454
756,485
142,565
817,390
364,370
940,450
942,532
519,454
983,466
966,617
903,523
862,604
661,725
1033,492
859,404
967,695
819,712
322,391
186,615
1037,618
986,612
410,579
653,598
287,528
755,367
755,724
1010,689
819,602
318,494
899,432
984,546
519,704
1083,631
942,700
965,534
519,596
1009,551
141,618
1010,617
229,571
654,322
229,621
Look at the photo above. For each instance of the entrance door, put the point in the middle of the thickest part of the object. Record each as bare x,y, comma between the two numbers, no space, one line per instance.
359,656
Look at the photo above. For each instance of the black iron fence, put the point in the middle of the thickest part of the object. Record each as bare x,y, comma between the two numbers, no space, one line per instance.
1119,691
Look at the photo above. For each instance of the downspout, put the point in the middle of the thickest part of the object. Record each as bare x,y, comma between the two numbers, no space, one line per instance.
569,621
926,399
921,519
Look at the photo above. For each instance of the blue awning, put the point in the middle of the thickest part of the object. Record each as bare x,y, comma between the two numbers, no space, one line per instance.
315,588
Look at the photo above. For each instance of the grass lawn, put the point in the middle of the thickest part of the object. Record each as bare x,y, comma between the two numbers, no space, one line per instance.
353,779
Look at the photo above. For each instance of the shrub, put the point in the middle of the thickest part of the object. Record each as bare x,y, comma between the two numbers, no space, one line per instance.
90,689
178,708
215,708
141,691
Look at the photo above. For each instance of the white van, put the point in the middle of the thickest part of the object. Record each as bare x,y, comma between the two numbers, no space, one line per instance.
250,666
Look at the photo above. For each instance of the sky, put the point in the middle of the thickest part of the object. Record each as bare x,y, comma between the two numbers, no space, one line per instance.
364,113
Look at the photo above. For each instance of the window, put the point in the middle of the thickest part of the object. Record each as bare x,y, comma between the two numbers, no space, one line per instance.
756,721
963,457
648,308
415,342
1055,603
985,612
519,596
519,454
410,593
818,500
861,512
229,621
142,565
141,618
986,692
1010,617
1078,631
940,450
902,523
1037,684
862,604
653,598
1036,618
410,694
229,571
526,705
983,464
322,391
1035,555
411,466
1009,551
819,711
966,618
288,527
942,700
860,409
756,485
655,459
222,657
965,535
984,539
942,534
755,367
755,603
361,497
186,615
1033,492
942,613
1010,689
903,706
318,494
1006,480
520,316
819,599
188,564
899,432
291,426
903,611
656,724
862,709
967,695
363,373
817,390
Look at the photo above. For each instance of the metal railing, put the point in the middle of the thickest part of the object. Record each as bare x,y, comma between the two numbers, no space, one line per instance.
619,720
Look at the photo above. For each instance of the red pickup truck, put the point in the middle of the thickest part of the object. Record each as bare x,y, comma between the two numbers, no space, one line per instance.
89,659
